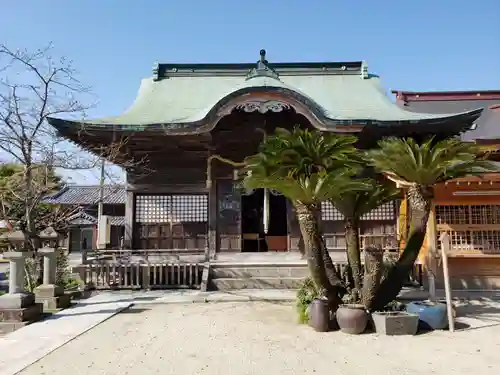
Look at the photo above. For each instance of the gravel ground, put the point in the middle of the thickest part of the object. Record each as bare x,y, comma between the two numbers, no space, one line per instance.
260,338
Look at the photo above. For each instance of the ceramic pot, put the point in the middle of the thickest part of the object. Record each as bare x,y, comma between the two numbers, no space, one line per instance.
432,315
352,318
319,315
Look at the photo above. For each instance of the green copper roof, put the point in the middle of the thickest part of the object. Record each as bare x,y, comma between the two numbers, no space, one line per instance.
335,93
190,99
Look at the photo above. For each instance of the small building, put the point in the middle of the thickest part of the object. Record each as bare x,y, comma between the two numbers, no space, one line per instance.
83,223
185,114
467,209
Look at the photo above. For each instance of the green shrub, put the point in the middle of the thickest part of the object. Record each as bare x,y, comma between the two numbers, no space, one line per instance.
31,273
63,272
305,295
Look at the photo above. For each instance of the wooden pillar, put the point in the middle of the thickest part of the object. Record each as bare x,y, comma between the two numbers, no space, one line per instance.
128,236
213,235
402,223
430,260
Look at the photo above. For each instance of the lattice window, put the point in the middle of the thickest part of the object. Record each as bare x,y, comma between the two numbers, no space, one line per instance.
452,215
387,211
472,228
153,208
171,208
190,208
330,213
171,222
486,240
485,214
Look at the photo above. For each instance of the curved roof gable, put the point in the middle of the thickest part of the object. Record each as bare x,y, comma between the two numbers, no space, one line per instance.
335,93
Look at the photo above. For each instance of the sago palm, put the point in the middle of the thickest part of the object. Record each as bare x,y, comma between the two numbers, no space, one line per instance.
417,168
308,168
353,204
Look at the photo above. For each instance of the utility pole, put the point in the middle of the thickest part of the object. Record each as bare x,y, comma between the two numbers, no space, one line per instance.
100,205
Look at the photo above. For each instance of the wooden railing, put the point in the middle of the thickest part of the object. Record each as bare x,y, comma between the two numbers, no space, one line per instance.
472,239
120,273
116,270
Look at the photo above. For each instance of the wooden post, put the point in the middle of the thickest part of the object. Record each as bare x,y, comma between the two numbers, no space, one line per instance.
430,263
213,235
445,249
129,220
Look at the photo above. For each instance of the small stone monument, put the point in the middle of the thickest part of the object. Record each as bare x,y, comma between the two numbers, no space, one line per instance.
49,294
17,308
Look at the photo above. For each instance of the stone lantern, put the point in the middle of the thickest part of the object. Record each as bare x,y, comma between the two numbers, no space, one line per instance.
18,240
49,237
49,294
18,307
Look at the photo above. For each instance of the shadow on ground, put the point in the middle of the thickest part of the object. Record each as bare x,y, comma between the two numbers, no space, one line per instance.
475,314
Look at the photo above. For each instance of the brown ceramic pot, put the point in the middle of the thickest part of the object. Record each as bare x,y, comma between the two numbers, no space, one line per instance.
352,318
319,315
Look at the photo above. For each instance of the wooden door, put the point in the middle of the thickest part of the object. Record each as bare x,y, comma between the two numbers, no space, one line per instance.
229,215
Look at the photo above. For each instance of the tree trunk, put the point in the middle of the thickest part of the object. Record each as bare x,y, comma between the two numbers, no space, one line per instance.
28,199
374,261
419,205
315,254
28,213
353,254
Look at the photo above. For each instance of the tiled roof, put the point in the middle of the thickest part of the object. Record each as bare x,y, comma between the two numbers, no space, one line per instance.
487,125
87,195
117,221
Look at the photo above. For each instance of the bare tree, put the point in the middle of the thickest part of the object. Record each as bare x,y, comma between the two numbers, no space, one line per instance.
33,87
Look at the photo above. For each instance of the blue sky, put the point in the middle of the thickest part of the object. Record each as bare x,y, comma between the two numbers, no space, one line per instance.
413,45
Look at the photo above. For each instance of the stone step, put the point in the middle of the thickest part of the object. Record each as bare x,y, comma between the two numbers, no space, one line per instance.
258,271
256,283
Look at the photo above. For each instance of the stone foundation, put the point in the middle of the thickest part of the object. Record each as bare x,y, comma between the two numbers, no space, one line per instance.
53,304
52,298
15,318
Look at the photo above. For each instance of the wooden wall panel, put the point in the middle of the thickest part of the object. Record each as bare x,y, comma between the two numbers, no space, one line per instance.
472,273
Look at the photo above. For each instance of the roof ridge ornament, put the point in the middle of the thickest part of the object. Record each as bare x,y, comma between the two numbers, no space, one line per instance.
364,70
156,71
263,69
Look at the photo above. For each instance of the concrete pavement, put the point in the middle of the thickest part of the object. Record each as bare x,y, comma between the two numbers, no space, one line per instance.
31,343
28,345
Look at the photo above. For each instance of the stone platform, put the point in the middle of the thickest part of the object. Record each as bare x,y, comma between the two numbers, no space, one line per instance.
52,298
18,310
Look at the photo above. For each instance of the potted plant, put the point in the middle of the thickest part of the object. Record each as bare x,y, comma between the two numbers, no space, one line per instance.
395,322
432,315
352,318
305,295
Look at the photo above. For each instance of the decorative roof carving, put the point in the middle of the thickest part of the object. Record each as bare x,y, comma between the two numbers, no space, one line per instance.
263,69
263,106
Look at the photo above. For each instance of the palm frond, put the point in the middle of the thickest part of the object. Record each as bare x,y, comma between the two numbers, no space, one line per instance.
357,202
429,162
